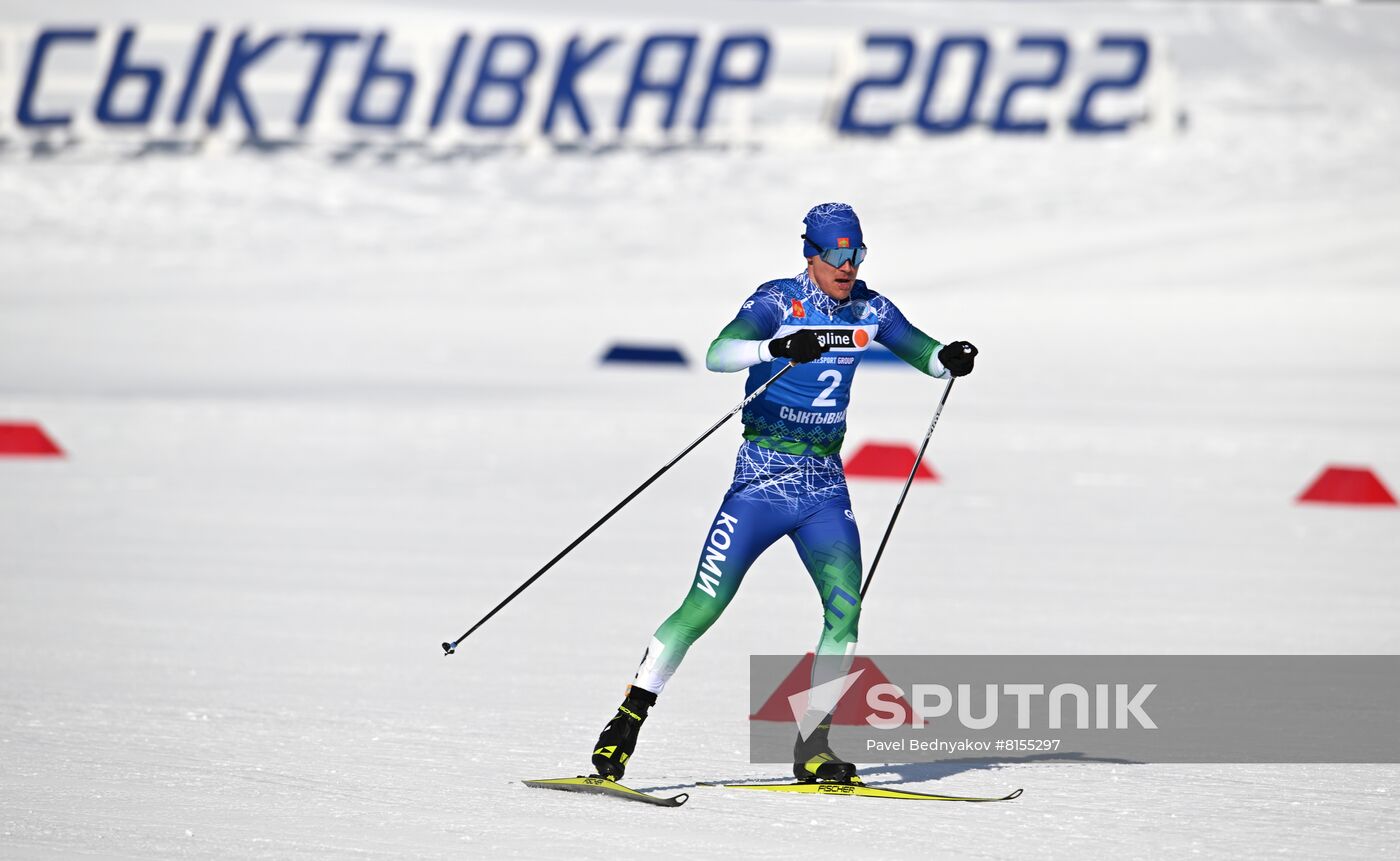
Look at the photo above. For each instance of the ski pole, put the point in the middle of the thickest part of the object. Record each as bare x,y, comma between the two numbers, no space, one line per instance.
450,648
895,516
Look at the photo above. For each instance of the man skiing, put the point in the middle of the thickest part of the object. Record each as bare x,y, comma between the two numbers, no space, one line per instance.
789,479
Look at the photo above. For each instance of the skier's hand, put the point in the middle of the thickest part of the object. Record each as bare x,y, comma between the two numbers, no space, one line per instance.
957,358
801,346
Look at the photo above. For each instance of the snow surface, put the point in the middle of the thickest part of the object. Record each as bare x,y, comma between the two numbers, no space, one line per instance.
321,416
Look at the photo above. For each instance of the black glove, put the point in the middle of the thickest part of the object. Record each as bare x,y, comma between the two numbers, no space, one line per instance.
801,346
957,357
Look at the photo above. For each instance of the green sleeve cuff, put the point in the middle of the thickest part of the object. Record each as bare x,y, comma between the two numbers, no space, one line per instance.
917,350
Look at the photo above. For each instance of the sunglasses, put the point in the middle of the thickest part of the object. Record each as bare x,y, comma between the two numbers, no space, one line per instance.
837,257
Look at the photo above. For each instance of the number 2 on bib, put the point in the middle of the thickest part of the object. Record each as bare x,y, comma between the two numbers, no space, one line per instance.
824,399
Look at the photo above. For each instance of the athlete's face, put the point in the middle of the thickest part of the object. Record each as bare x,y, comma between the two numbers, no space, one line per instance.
834,282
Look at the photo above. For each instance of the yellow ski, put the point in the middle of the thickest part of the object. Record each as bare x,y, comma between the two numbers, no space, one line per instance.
603,786
852,789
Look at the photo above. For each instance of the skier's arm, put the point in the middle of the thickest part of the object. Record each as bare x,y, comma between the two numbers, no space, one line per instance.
906,341
738,346
744,342
923,352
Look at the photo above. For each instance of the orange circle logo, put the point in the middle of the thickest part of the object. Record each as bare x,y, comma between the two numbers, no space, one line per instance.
862,337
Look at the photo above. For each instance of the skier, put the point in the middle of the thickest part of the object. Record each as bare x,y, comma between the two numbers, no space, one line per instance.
789,479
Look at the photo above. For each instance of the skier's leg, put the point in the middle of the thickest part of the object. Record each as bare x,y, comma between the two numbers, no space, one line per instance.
741,530
829,544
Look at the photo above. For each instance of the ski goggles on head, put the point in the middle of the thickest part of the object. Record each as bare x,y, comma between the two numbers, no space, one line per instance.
838,257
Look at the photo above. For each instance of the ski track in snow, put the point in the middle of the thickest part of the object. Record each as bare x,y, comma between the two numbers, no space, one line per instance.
320,417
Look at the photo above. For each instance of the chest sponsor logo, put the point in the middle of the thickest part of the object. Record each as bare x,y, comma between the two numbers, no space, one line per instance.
843,339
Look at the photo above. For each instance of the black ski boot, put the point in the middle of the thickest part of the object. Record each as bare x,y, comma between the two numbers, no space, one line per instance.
812,759
619,737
